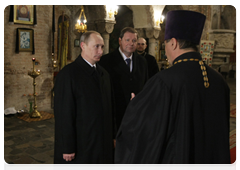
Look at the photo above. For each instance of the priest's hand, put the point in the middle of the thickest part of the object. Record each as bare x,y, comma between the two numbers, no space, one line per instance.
132,95
69,157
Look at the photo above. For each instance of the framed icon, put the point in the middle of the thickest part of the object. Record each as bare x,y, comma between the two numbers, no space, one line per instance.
76,43
25,40
23,14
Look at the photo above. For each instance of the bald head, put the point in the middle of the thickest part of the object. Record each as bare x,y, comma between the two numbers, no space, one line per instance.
141,45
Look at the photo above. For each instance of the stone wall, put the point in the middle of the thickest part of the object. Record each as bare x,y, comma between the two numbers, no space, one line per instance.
16,65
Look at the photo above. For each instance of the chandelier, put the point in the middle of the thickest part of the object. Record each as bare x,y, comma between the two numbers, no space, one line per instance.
81,22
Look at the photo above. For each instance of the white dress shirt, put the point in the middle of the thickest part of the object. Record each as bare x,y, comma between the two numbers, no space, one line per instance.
124,58
91,64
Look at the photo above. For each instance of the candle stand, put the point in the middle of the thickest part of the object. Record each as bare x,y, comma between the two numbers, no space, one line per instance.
34,74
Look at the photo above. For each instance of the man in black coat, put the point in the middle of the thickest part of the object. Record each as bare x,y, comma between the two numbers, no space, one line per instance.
82,108
126,79
182,114
151,61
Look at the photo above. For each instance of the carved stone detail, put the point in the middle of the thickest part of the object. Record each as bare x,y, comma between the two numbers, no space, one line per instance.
105,26
223,40
224,43
152,33
156,33
149,33
109,27
141,32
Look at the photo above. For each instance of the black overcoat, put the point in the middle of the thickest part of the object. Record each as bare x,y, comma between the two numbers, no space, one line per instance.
124,82
83,114
175,119
152,64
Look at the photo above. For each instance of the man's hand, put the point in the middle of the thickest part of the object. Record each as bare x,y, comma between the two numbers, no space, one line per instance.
69,157
114,143
132,95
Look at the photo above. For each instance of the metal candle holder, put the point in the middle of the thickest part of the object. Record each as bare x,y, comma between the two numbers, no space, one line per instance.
34,74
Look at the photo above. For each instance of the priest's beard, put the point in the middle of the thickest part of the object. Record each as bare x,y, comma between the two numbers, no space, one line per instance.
140,52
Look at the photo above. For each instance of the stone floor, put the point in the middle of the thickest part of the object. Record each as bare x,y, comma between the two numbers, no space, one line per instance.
32,143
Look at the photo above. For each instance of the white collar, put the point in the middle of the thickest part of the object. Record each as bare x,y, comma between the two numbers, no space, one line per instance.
123,55
90,63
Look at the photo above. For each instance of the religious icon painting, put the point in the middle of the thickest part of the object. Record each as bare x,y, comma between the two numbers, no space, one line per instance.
206,51
24,14
25,40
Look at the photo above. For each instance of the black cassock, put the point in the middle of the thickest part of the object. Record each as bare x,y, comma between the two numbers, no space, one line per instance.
83,114
175,119
152,64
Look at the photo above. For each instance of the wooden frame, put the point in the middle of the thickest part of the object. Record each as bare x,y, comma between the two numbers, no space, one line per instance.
23,14
24,39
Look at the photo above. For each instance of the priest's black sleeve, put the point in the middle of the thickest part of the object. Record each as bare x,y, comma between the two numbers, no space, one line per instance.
144,129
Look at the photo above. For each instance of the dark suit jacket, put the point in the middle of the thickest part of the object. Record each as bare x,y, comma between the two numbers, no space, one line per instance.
124,83
83,115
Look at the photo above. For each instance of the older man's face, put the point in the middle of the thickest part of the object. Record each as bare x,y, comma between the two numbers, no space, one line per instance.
128,43
93,50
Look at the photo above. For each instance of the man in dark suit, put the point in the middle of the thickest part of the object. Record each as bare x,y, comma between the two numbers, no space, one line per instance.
82,108
151,61
182,114
128,71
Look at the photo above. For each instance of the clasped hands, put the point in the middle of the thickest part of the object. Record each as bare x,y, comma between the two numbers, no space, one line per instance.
69,157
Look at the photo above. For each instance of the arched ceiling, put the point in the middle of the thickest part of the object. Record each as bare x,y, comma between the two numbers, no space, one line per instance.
144,16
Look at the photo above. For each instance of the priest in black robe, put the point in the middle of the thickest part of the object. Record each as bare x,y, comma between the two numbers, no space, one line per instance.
151,61
182,114
82,108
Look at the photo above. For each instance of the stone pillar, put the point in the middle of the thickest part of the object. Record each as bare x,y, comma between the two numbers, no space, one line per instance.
106,42
151,47
105,28
215,16
153,34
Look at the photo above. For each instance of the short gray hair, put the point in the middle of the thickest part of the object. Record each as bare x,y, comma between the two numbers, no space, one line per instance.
85,37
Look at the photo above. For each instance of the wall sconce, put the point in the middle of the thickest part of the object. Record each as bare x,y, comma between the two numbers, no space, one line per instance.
81,25
111,11
160,21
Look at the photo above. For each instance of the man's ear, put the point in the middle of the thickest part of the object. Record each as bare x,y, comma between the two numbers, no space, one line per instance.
119,40
174,43
82,45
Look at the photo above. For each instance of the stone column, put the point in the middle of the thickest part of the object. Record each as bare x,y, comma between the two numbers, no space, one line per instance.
151,47
153,34
105,28
106,42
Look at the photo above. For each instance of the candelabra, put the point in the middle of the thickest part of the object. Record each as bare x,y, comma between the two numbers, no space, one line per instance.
34,74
